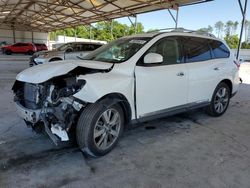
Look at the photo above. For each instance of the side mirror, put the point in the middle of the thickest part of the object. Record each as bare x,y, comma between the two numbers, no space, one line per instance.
153,58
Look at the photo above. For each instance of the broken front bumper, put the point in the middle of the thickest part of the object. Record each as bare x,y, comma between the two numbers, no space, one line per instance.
28,114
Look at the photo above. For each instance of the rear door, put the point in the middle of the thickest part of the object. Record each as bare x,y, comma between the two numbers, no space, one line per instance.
162,86
203,69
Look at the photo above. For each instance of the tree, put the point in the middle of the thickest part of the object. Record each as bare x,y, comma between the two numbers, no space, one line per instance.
235,27
219,28
105,30
208,29
232,41
247,29
229,27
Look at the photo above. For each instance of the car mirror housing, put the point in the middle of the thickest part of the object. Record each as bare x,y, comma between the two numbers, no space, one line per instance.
153,58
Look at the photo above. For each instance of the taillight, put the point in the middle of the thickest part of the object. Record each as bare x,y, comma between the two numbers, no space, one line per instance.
237,63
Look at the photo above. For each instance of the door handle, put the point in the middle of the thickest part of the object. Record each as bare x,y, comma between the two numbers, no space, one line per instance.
216,68
180,74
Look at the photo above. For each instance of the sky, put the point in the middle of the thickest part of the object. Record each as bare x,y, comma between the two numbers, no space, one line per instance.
193,17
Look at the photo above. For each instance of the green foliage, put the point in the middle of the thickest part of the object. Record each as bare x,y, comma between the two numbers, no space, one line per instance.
107,31
232,41
245,45
208,29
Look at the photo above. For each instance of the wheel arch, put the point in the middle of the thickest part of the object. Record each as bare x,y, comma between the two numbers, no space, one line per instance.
55,59
121,100
229,83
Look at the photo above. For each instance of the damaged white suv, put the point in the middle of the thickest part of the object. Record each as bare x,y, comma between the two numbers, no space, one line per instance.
132,79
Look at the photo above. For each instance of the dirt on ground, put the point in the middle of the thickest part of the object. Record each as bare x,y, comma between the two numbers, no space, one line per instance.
187,150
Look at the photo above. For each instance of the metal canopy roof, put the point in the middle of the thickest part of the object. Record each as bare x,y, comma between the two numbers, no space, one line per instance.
49,15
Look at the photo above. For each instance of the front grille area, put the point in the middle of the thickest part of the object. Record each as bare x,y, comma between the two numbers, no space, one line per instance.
31,95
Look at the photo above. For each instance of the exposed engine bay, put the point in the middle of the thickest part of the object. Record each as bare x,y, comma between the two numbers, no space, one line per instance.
52,103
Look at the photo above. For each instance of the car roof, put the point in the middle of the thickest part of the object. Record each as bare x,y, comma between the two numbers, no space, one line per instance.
98,43
178,32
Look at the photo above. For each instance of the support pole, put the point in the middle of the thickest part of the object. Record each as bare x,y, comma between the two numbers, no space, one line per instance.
14,34
64,35
111,30
243,11
135,24
90,32
32,37
75,33
177,18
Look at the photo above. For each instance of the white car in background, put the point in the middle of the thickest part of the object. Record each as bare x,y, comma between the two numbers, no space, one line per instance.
71,50
133,79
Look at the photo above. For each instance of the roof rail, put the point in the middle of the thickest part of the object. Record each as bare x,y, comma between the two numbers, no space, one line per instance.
180,29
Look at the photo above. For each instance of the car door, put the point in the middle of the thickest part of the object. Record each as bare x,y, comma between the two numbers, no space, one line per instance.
16,47
203,74
161,87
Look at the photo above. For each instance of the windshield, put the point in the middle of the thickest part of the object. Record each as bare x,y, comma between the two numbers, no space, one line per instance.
119,50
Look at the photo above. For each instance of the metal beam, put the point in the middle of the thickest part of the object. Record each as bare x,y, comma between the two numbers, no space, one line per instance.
14,34
243,11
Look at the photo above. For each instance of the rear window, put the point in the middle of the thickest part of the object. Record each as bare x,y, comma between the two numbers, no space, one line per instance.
196,49
219,50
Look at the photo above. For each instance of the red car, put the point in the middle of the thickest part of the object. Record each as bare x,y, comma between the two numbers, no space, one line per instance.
41,47
27,48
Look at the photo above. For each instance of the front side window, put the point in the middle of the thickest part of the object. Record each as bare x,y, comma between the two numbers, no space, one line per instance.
169,49
219,49
118,51
196,49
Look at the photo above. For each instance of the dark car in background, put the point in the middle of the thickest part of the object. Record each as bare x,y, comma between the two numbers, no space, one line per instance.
21,47
40,47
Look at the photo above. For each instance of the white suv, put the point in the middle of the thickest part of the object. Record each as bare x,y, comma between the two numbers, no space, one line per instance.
132,79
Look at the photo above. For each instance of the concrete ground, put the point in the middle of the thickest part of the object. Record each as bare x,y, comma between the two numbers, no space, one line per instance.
188,150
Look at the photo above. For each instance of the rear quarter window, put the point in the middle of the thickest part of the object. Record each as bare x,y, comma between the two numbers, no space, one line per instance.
219,50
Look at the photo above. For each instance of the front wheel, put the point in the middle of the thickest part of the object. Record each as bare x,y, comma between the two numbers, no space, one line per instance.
99,128
220,100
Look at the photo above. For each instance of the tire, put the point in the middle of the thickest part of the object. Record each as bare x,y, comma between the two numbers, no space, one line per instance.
8,52
220,100
92,121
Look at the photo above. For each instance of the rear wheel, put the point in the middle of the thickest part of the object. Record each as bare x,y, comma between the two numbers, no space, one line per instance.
99,128
220,100
8,52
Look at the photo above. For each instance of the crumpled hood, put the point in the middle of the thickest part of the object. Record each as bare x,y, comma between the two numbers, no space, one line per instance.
44,72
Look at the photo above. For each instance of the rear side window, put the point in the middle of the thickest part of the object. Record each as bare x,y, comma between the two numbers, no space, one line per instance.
219,50
196,49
